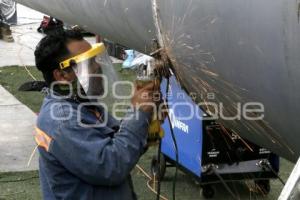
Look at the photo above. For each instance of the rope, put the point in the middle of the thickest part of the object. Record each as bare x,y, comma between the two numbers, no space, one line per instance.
31,156
20,58
149,181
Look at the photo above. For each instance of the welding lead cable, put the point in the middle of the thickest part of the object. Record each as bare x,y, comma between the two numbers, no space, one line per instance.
269,166
174,141
224,183
158,170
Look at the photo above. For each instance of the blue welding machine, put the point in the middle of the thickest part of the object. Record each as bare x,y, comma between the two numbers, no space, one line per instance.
204,151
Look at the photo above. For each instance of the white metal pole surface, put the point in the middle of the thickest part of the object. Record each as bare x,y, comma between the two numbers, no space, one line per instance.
291,190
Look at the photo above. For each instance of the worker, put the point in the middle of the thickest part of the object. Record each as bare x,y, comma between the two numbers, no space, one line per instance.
80,160
5,31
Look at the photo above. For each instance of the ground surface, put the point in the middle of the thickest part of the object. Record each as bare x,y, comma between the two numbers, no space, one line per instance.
16,135
25,185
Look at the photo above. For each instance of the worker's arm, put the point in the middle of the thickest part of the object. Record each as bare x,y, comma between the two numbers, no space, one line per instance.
96,157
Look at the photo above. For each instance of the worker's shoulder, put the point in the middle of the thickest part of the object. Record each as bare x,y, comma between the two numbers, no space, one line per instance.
55,112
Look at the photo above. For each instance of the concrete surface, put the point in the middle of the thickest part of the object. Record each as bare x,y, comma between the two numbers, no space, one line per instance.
21,51
26,38
16,134
16,120
28,16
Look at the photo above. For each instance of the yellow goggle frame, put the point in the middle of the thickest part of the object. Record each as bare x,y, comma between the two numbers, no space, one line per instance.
96,49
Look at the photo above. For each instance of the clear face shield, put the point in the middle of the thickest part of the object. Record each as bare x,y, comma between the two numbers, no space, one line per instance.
88,68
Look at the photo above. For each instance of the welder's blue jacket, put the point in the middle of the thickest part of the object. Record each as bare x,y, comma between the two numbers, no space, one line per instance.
80,162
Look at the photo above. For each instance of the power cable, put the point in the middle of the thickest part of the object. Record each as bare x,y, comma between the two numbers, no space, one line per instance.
223,182
176,150
158,170
174,141
268,165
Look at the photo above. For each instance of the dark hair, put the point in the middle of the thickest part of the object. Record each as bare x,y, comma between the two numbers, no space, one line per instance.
52,49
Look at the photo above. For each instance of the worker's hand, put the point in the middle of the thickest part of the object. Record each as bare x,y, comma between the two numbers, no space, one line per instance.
145,97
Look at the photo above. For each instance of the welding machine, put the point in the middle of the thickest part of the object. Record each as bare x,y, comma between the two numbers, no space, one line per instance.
207,150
